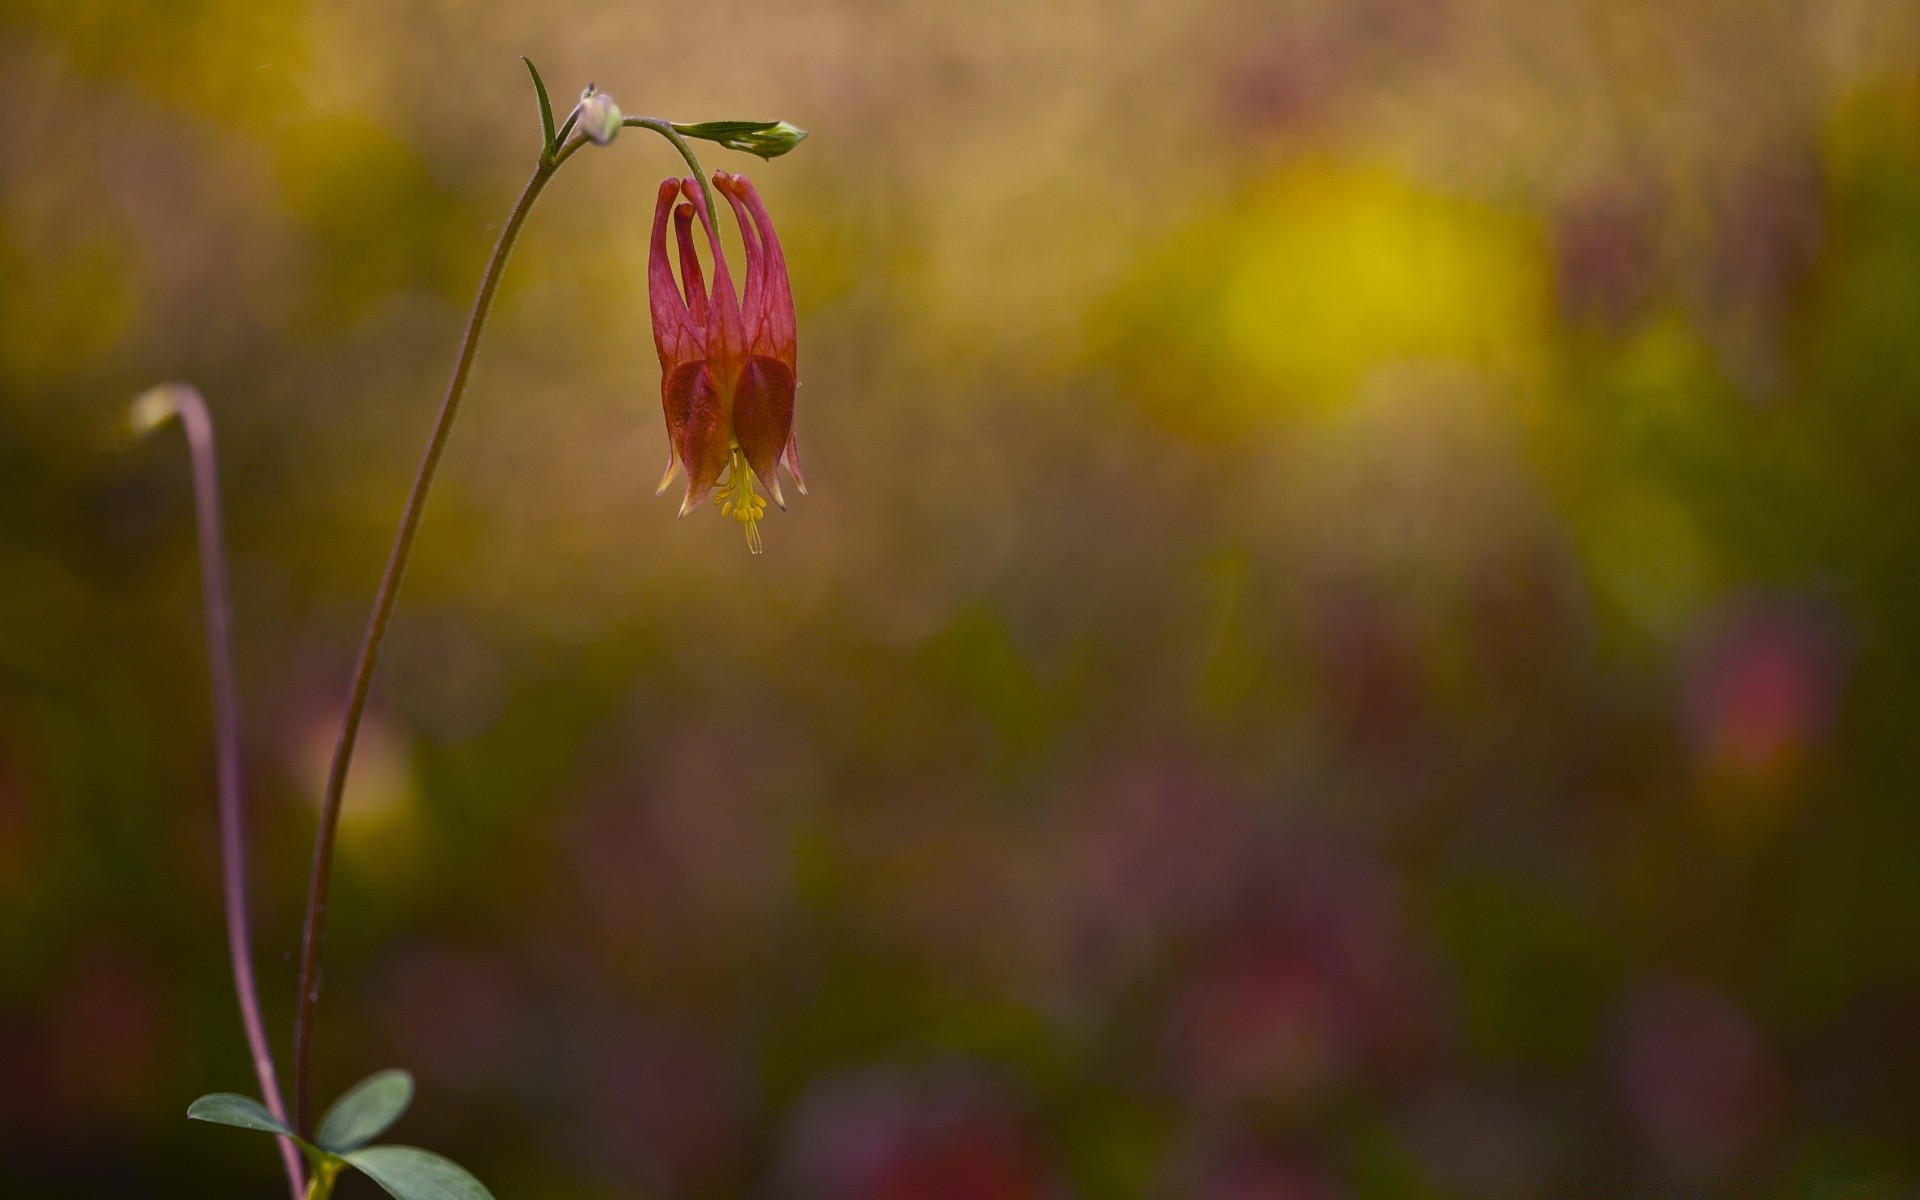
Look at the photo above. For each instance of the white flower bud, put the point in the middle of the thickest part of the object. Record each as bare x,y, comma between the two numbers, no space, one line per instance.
599,117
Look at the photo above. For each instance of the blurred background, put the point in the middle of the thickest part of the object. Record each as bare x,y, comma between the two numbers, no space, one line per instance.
1355,632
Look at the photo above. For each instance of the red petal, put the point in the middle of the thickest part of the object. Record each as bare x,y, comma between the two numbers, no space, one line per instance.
697,425
675,335
763,416
690,277
726,343
774,335
792,460
753,295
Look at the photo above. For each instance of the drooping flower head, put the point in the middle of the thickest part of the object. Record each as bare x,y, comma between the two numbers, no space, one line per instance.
727,375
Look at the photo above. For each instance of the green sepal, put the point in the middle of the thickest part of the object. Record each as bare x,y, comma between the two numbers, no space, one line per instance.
715,131
768,139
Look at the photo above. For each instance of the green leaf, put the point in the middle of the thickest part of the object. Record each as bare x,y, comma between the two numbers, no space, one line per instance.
546,105
409,1173
241,1112
365,1111
226,1108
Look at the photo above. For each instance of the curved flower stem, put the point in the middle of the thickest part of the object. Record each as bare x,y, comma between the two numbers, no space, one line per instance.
319,883
666,130
314,929
185,402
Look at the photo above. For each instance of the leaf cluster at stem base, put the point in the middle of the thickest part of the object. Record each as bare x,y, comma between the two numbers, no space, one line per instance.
364,1112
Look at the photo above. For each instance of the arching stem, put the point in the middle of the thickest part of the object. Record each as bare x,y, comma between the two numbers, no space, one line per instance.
185,402
313,932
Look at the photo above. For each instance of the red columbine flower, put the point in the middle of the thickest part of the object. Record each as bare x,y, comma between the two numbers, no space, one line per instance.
726,364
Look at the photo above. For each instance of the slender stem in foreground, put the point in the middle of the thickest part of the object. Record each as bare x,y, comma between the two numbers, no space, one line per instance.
314,931
185,402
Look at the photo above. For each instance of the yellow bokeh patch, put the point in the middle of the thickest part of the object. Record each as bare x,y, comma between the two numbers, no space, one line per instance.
1334,272
1285,305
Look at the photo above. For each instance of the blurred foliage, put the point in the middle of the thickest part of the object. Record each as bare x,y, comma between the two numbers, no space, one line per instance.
1353,635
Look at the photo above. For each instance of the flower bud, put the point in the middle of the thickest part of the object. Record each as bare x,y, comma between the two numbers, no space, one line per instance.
768,139
599,116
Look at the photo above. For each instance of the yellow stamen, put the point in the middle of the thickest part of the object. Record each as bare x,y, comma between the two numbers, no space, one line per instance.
737,498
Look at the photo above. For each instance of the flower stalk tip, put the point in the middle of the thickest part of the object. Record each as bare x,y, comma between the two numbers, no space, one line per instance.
153,408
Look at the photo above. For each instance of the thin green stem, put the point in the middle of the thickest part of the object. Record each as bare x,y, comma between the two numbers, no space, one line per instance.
313,932
566,129
389,591
666,130
321,1187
